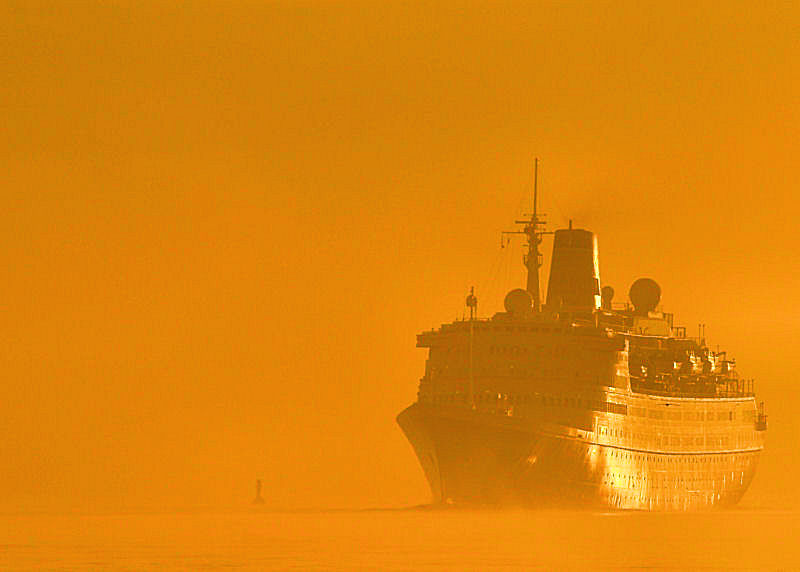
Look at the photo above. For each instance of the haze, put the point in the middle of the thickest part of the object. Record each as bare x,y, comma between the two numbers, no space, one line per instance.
224,224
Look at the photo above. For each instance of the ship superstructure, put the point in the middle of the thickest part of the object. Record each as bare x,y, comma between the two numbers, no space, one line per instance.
579,401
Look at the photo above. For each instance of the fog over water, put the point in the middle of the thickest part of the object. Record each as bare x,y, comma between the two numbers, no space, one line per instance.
402,540
223,225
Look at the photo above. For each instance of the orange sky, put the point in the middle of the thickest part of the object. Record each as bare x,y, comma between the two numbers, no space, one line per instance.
223,224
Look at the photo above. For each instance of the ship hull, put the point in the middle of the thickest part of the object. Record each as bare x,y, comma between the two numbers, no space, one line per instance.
476,458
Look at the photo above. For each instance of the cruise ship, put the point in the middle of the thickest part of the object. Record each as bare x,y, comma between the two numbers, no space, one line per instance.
579,401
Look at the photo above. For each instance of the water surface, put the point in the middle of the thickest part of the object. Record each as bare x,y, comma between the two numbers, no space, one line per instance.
412,539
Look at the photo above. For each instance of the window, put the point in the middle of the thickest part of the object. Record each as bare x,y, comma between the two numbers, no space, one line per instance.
619,409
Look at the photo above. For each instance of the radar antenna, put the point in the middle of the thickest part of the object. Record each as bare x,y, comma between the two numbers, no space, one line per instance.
534,229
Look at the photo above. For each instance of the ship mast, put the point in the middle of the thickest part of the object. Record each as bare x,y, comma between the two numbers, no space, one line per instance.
534,229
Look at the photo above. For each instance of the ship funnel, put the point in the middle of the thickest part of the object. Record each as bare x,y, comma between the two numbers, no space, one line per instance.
574,271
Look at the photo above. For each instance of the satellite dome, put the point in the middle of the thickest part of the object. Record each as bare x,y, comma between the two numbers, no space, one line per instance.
518,302
645,294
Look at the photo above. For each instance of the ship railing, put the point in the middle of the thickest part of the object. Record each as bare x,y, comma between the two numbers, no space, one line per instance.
707,388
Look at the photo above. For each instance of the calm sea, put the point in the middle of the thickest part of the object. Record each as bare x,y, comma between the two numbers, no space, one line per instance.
414,539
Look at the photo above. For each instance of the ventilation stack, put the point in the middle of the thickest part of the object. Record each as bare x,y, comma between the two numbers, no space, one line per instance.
574,272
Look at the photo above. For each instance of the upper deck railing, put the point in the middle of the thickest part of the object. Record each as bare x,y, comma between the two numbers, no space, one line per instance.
695,387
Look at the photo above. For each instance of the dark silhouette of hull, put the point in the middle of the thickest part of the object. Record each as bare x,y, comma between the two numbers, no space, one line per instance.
481,458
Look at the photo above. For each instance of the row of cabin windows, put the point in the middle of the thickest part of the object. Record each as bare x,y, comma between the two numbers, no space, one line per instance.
672,415
555,350
552,349
545,400
607,407
634,480
556,401
677,459
673,481
610,407
679,440
662,440
510,369
525,329
674,440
